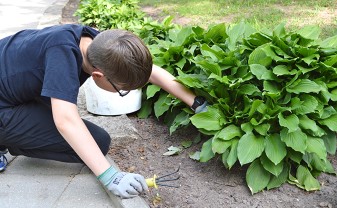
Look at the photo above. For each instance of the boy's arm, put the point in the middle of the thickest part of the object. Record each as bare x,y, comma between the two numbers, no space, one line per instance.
74,131
167,82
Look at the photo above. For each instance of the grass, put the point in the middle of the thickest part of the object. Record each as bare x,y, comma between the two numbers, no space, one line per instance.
260,13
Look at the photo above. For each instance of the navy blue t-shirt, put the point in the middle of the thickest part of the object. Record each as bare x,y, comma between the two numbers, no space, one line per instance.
47,63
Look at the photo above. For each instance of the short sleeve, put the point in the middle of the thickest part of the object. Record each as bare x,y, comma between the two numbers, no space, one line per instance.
62,71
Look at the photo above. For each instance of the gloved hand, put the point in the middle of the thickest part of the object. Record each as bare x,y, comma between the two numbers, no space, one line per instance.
202,108
125,185
199,104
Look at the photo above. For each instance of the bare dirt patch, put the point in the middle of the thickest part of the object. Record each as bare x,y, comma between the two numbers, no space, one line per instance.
295,16
157,14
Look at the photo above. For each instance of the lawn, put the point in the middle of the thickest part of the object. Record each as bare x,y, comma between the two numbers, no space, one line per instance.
260,13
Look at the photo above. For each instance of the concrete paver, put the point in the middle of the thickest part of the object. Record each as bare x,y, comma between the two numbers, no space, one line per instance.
36,183
19,14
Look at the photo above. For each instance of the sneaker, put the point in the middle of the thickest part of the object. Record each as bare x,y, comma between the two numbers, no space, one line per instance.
3,160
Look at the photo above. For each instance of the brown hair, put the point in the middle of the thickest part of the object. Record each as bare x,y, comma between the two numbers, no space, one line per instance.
122,56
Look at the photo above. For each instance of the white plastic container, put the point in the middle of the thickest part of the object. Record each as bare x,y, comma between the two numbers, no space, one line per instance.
102,102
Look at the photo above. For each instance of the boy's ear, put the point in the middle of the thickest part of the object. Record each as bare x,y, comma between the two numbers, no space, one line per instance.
97,74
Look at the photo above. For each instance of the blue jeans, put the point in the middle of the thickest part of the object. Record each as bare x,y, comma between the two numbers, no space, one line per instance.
29,130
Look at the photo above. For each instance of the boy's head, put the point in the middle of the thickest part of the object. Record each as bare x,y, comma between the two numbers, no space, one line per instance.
123,58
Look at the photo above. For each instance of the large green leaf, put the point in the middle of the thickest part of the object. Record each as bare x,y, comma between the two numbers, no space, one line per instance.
330,122
151,90
249,148
279,30
308,104
220,146
275,149
215,53
161,105
330,42
316,145
310,32
217,33
261,72
254,107
276,181
229,132
145,110
233,154
257,177
270,52
262,129
297,140
236,32
270,166
305,178
307,123
280,70
182,36
206,151
259,56
248,89
209,67
291,122
211,120
182,119
192,80
304,86
330,142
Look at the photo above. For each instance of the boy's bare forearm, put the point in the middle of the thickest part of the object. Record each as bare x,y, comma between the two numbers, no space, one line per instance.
167,82
74,131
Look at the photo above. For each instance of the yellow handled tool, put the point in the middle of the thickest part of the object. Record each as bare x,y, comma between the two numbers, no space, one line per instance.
161,181
151,182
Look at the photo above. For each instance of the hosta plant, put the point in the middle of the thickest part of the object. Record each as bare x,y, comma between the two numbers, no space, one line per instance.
272,97
272,94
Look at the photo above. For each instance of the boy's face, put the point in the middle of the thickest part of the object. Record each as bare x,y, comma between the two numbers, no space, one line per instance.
104,83
121,93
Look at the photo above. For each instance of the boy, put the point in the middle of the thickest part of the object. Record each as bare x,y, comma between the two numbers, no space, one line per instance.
40,75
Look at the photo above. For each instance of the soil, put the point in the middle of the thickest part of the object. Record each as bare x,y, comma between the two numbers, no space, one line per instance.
202,185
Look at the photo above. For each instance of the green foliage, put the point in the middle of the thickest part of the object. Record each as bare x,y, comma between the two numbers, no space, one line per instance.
122,14
272,94
107,14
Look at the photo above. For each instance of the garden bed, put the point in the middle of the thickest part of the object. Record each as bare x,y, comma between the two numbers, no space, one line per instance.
202,184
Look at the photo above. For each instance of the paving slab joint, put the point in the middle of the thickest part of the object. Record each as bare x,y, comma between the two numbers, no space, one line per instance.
72,176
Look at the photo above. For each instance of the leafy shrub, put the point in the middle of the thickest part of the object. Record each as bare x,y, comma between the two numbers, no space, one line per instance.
122,14
273,99
107,14
272,94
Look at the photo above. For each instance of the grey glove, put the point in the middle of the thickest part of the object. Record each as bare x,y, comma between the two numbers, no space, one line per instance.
202,108
199,104
125,185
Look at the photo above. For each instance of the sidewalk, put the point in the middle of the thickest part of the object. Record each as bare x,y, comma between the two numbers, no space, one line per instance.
35,183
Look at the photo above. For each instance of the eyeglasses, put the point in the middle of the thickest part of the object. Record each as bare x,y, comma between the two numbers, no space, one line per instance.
121,93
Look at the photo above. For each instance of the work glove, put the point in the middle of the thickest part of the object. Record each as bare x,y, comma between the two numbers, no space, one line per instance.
122,184
199,104
202,108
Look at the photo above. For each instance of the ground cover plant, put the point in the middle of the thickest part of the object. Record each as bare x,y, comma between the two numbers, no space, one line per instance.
271,92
